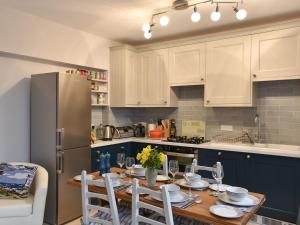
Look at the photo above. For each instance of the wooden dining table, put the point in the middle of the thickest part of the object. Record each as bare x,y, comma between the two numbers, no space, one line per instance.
199,212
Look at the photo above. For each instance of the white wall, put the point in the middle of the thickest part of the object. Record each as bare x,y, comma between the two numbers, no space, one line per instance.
30,35
23,35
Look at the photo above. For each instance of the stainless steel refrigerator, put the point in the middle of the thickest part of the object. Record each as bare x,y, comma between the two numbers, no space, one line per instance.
60,124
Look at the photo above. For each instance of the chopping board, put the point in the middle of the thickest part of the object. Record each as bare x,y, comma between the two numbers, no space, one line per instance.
193,128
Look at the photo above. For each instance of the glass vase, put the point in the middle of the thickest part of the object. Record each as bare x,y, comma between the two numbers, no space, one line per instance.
151,175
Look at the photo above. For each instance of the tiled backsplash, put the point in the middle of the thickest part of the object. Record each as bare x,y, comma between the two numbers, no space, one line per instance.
278,105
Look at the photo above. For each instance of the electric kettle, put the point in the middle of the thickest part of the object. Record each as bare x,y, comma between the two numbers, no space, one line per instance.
108,132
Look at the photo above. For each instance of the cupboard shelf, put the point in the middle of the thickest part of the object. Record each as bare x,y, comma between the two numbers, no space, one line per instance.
96,91
99,105
97,80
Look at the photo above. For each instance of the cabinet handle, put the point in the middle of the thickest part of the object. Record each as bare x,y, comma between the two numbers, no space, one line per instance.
202,79
254,75
207,101
122,147
165,102
248,156
138,102
98,152
98,160
219,153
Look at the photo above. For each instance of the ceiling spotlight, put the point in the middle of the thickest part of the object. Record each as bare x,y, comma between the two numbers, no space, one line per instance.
148,34
215,15
240,13
164,20
146,27
195,17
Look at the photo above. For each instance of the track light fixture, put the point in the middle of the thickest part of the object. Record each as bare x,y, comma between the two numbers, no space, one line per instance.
195,17
215,16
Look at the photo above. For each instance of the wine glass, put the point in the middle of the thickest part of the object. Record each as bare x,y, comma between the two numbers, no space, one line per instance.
218,175
121,162
188,175
173,168
130,161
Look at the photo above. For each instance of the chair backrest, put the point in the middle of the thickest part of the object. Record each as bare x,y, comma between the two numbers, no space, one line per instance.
165,169
197,168
166,211
87,206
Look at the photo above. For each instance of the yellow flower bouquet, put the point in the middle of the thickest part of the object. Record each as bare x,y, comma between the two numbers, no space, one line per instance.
151,158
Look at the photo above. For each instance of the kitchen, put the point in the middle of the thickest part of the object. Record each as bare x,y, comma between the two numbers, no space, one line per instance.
232,81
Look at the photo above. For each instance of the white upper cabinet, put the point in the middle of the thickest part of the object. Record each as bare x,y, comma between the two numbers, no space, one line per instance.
276,55
132,86
187,65
228,78
153,79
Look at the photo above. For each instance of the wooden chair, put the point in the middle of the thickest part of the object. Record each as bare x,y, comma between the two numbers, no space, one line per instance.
198,168
166,211
107,216
165,169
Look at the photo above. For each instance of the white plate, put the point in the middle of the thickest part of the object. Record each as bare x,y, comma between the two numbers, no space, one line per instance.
89,177
222,187
226,211
115,183
171,187
127,172
175,198
112,176
162,178
195,185
250,200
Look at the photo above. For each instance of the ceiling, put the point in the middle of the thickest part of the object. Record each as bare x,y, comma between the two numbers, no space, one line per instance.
121,20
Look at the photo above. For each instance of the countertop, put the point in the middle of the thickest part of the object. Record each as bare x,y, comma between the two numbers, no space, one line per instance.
264,149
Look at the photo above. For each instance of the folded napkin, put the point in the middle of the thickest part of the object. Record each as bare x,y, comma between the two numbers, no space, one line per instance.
184,204
122,187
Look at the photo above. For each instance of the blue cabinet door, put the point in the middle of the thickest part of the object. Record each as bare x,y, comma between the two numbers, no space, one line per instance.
231,162
277,178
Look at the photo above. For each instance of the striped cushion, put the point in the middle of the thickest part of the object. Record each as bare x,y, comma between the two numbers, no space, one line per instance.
124,216
178,220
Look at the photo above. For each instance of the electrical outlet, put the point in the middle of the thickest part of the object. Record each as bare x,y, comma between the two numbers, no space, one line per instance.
226,127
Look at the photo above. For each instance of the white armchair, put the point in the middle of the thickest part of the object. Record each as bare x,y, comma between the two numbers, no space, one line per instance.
29,211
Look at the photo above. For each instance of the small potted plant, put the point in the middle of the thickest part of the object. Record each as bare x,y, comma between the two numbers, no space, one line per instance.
151,159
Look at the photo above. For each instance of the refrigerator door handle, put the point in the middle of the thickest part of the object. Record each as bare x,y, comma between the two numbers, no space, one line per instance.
60,133
60,162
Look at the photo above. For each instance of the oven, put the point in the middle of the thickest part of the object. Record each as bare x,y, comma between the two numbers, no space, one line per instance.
184,155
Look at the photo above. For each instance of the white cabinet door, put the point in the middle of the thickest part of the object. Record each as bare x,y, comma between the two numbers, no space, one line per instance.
228,80
276,55
131,86
187,65
153,77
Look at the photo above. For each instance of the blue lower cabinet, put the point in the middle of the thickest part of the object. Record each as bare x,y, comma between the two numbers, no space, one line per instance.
279,179
231,163
276,177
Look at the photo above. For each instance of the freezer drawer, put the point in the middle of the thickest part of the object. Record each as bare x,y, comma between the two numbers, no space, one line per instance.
69,198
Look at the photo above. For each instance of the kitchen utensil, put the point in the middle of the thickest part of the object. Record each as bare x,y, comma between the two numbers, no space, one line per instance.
89,177
237,193
151,126
218,174
226,211
176,198
162,178
250,200
173,168
172,128
156,133
194,185
99,132
108,132
124,132
139,130
222,187
188,175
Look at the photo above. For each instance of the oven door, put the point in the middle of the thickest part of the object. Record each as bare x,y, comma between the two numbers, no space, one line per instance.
182,158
